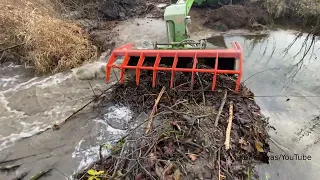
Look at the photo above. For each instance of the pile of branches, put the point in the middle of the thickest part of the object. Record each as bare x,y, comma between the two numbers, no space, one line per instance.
189,134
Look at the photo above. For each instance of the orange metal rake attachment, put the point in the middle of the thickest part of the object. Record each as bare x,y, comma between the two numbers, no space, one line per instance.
127,52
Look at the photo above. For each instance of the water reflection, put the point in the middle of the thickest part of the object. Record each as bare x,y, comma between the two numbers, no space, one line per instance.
256,39
217,41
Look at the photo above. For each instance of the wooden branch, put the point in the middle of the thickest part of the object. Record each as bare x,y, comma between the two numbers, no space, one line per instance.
220,109
228,132
21,176
41,174
117,163
149,126
11,47
95,98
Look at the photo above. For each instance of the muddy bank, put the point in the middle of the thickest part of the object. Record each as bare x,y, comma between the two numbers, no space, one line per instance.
260,15
187,137
304,14
237,17
99,18
105,10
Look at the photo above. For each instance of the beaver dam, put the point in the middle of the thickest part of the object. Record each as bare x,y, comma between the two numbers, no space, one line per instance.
188,134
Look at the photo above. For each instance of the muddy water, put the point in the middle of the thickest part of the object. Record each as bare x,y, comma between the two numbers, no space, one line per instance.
29,105
288,95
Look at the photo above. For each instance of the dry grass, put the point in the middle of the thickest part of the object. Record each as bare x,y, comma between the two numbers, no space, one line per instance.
301,8
47,42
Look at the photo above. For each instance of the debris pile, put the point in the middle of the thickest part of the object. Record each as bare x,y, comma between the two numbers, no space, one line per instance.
189,134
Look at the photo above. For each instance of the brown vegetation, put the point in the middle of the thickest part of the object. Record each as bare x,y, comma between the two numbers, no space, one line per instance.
237,16
31,32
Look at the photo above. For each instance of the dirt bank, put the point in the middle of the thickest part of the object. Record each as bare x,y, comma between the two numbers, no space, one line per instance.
303,13
237,17
184,142
106,10
262,14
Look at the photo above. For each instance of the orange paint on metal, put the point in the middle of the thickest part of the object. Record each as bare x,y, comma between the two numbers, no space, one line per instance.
128,52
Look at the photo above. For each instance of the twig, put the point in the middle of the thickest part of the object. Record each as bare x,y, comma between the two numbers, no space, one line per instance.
219,176
17,45
172,110
227,172
146,171
61,173
168,168
117,163
100,153
32,155
139,125
179,102
175,88
206,115
21,176
203,96
57,126
228,132
139,158
129,170
9,168
149,126
185,116
39,175
92,88
1,61
276,144
220,109
185,156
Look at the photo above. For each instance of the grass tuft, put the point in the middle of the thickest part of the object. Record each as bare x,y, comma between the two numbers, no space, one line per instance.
45,41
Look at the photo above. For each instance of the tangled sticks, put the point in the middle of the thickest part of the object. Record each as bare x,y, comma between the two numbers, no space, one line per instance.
183,141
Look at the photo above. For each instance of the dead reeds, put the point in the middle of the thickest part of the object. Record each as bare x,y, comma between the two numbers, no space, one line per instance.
44,41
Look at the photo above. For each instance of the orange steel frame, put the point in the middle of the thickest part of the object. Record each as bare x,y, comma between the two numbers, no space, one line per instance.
126,51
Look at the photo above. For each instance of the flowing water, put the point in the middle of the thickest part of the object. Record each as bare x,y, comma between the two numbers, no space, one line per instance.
30,105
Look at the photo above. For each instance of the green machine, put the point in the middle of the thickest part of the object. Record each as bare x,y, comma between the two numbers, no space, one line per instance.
177,20
179,52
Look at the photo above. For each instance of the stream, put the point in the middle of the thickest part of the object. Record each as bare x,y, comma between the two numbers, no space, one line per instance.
29,105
